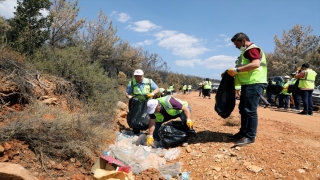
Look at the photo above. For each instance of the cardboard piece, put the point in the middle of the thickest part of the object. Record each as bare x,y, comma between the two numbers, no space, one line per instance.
110,163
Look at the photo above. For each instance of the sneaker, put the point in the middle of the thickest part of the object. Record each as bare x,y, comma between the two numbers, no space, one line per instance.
295,110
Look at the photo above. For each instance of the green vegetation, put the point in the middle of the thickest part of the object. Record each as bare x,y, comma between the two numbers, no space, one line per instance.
87,67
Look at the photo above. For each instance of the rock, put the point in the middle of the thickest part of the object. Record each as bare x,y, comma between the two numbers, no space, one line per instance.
254,168
50,101
188,149
216,168
122,106
1,149
15,171
301,171
6,146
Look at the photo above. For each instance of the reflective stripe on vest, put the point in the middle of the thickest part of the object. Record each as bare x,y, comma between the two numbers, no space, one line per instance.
258,75
146,88
165,102
308,80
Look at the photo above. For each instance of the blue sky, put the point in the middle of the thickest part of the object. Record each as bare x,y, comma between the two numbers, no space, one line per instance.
193,37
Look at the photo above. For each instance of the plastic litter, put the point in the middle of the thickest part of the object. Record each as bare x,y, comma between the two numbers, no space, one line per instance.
185,175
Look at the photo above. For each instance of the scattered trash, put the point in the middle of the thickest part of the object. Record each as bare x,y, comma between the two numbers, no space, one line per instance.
129,149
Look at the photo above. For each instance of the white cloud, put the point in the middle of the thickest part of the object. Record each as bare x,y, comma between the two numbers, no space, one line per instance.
187,63
113,13
123,17
145,42
214,62
181,44
143,26
7,8
219,62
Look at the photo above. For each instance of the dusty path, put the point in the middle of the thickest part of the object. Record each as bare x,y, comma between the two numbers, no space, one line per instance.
287,145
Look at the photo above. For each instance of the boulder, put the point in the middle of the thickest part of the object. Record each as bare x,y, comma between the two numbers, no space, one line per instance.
15,172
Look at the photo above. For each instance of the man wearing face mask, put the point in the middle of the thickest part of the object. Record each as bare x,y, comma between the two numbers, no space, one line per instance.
251,74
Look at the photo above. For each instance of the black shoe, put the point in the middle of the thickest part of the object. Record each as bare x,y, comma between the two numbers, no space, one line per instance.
237,136
280,107
310,114
244,141
303,113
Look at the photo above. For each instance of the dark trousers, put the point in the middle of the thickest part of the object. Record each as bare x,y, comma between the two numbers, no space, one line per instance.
307,101
249,100
270,97
206,92
297,100
159,124
286,99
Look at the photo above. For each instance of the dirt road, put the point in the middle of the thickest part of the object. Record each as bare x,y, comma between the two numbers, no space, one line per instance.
287,145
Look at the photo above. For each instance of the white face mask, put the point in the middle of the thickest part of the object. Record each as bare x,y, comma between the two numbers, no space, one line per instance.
242,48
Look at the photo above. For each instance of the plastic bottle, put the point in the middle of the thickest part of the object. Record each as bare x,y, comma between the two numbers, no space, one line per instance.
185,175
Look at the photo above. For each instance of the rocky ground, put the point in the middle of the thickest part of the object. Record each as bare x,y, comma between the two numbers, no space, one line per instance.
287,147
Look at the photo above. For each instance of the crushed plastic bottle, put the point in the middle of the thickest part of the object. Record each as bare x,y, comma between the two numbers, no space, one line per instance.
185,175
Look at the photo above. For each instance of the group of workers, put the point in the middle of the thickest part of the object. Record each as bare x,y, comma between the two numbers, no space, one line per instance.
250,74
306,77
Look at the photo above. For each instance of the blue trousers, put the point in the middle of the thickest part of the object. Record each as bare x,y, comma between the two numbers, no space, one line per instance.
297,100
249,100
270,97
159,124
307,101
286,99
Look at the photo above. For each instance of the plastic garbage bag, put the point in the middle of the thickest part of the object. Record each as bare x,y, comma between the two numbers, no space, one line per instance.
174,133
225,97
274,88
138,118
171,169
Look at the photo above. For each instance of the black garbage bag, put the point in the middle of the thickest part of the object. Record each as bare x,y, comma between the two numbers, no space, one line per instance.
174,133
225,97
293,88
274,88
138,118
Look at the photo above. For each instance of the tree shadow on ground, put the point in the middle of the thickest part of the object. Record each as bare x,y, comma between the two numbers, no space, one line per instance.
208,136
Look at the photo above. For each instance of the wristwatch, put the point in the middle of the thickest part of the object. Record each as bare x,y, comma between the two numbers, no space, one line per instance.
237,69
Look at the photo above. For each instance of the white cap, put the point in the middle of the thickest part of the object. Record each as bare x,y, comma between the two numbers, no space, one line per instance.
152,105
138,72
287,77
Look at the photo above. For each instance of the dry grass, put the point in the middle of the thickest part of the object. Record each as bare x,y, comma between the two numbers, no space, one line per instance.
66,136
231,121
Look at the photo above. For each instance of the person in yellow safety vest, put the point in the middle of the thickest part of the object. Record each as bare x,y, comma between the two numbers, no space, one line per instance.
189,88
140,86
164,109
306,84
251,74
207,86
200,88
284,95
184,88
